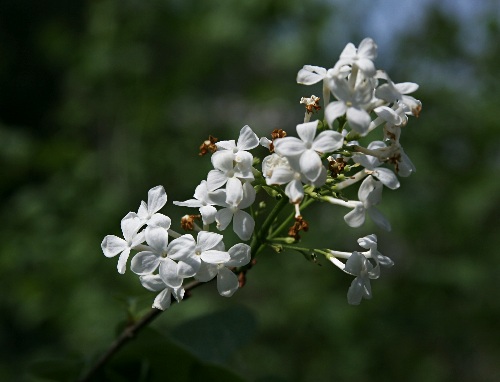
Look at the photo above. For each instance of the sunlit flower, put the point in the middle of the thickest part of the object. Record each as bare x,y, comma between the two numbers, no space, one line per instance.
113,245
306,149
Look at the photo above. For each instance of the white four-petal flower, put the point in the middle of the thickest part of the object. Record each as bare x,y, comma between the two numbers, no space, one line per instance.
306,148
113,245
227,281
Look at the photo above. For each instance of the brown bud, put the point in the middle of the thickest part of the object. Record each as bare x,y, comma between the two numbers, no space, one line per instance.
208,145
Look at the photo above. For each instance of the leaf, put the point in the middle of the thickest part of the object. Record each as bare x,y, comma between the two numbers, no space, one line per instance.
152,357
215,337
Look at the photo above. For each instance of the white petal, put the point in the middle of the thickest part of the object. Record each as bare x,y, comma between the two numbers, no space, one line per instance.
406,87
154,283
355,264
328,141
388,115
226,145
349,51
223,160
223,217
310,165
357,291
207,240
244,161
157,238
130,224
387,177
122,261
234,192
168,273
334,110
216,179
367,49
162,301
368,241
358,119
321,179
387,93
201,192
240,255
189,203
188,266
138,239
206,272
156,199
160,220
243,225
356,217
370,192
247,139
379,218
249,194
366,66
112,245
181,247
307,131
215,257
280,175
143,211
178,293
295,191
288,146
144,263
310,75
208,214
227,282
367,161
218,197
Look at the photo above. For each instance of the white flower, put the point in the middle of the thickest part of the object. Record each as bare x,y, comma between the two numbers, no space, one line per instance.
362,57
227,281
369,194
154,283
279,170
370,242
209,249
148,212
353,102
203,201
392,92
237,197
243,159
306,149
404,165
113,245
225,168
162,254
372,164
358,265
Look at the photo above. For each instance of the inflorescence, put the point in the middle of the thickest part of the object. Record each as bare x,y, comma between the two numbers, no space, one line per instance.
325,159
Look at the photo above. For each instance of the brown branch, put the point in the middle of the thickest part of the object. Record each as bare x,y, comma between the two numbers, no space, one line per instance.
129,333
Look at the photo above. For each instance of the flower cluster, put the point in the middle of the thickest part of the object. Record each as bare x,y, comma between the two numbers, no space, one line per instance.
316,166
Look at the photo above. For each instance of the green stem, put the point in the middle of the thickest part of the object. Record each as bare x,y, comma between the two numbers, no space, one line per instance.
259,238
287,222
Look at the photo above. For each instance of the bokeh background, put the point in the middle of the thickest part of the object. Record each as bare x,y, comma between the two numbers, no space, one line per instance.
102,100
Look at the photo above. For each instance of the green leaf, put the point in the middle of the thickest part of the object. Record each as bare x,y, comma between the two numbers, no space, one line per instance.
152,357
215,337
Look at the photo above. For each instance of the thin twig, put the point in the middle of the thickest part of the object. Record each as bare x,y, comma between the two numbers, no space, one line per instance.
129,333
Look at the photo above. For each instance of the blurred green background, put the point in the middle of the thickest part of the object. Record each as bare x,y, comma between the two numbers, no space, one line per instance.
102,100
